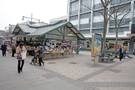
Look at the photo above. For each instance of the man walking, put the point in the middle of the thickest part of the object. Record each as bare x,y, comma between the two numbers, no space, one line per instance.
121,50
4,48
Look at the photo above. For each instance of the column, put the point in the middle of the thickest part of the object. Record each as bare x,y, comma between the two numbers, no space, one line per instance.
131,46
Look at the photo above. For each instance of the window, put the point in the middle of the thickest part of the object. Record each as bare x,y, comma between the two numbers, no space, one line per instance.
85,20
74,8
73,18
85,5
97,31
88,15
133,20
76,26
98,24
84,26
122,29
123,22
84,31
97,4
118,1
98,13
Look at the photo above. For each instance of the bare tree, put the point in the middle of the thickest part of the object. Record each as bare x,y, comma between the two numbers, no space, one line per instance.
106,18
120,13
113,13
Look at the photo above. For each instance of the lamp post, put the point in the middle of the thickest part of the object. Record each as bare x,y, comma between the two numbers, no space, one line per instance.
30,18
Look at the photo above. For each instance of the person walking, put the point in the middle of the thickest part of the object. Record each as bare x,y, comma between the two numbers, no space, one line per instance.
19,50
4,48
40,55
121,50
13,49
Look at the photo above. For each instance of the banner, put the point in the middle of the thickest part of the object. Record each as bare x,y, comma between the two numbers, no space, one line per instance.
96,44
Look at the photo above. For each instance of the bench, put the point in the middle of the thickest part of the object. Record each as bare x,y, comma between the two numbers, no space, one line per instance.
107,57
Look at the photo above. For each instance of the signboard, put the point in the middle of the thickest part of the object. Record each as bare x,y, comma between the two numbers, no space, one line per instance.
96,44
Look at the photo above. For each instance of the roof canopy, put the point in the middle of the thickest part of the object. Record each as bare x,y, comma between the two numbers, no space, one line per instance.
59,31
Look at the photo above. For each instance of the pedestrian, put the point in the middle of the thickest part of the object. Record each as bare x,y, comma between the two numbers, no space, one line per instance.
121,50
20,49
4,48
40,55
13,49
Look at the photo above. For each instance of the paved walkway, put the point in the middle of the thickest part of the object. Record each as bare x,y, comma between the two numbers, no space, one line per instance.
77,73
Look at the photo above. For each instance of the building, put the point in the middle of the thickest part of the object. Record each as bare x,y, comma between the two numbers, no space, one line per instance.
83,15
62,19
2,34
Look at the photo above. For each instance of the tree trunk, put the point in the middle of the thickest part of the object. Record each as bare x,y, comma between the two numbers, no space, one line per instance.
116,45
104,30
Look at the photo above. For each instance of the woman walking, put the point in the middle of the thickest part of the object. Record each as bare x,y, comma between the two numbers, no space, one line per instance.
20,49
40,55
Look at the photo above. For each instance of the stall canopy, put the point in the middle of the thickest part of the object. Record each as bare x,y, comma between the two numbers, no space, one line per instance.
61,31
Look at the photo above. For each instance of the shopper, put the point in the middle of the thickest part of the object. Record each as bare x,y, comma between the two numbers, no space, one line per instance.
20,49
13,49
121,50
4,48
40,55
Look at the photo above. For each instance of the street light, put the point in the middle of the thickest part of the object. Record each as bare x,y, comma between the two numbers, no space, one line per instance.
30,18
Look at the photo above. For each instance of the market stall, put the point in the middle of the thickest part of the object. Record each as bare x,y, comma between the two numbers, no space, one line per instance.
59,36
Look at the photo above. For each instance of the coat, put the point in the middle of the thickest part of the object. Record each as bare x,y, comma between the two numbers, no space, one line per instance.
120,50
18,49
4,47
40,55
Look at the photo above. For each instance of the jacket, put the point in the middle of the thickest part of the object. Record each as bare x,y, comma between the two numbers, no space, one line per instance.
40,55
18,50
13,47
120,50
4,47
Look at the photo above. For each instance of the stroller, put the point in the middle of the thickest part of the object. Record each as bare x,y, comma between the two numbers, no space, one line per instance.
35,59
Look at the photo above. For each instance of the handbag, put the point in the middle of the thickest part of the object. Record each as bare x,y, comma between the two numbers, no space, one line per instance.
19,56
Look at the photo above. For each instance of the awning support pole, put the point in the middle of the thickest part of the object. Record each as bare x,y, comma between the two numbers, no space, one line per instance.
77,47
44,42
63,40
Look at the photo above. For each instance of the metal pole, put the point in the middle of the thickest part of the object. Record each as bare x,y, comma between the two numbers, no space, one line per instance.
77,47
44,42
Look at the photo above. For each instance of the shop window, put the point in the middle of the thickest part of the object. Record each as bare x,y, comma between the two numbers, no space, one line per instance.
111,45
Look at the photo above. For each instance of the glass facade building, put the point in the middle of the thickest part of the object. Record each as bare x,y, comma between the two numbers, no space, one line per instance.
85,16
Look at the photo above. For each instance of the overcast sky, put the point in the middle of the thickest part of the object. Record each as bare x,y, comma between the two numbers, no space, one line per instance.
11,11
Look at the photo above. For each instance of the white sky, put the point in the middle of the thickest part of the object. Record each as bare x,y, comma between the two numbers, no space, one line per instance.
11,11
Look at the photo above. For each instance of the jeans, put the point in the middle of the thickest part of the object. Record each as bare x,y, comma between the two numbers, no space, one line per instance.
127,55
20,65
